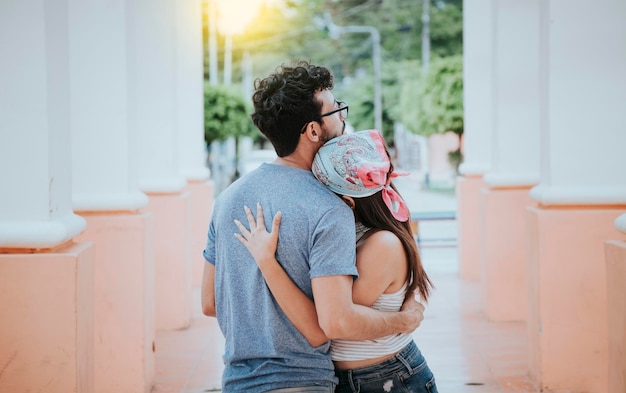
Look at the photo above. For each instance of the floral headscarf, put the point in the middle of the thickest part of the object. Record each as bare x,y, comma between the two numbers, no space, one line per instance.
357,165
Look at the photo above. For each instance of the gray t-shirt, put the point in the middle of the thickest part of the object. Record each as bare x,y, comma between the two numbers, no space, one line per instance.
264,350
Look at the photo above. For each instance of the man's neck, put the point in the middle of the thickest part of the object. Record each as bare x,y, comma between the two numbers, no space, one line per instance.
295,161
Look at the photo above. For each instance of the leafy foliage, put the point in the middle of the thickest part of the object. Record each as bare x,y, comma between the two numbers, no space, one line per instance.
296,30
225,115
446,31
358,92
433,103
400,25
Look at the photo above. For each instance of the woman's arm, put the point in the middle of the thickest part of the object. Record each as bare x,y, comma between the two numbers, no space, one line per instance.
344,309
347,319
208,290
295,304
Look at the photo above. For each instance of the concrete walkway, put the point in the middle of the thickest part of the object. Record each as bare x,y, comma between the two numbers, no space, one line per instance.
419,199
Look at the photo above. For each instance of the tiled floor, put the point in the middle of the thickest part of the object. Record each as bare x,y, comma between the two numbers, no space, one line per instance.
467,353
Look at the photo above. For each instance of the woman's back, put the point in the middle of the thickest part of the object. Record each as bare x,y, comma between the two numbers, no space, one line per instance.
382,284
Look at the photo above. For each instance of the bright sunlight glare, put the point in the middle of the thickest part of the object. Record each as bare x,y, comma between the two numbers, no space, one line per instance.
235,15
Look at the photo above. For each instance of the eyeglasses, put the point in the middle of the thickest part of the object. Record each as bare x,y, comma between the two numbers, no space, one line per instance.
343,112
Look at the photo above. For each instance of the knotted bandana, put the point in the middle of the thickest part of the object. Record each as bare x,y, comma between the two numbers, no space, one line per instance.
357,165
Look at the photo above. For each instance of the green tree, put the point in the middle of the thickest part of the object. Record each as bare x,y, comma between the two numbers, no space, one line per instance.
446,29
433,103
225,115
294,30
359,94
400,25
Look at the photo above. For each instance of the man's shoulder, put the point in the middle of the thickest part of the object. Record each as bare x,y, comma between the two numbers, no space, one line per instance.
285,185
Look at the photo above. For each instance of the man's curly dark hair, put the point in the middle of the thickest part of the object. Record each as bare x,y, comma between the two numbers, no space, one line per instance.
284,102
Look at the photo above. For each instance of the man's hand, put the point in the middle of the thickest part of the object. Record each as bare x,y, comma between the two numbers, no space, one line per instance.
414,311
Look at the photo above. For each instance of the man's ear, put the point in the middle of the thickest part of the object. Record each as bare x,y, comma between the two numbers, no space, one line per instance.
348,200
313,131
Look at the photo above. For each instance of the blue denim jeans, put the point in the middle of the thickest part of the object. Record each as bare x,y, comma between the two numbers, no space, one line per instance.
305,389
406,372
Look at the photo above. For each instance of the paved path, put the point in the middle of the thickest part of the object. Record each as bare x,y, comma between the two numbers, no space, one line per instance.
424,200
467,353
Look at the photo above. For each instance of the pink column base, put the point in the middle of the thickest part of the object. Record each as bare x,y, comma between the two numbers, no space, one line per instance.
504,253
201,200
172,259
46,334
616,277
567,321
469,221
123,301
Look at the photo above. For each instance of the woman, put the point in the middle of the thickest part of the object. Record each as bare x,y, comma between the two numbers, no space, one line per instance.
357,167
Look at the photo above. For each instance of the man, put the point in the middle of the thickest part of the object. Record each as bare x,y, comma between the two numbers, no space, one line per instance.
296,111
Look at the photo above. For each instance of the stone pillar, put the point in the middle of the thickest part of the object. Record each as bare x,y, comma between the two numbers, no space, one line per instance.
46,279
106,194
581,193
616,275
190,126
515,159
153,113
478,102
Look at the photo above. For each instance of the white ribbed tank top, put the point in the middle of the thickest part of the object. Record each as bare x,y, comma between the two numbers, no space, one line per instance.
346,350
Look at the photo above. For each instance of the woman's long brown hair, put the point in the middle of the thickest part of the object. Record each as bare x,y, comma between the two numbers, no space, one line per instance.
372,212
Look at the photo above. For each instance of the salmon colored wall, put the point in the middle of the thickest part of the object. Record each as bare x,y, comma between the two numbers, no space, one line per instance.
567,322
504,253
123,300
469,220
172,259
201,201
46,334
616,283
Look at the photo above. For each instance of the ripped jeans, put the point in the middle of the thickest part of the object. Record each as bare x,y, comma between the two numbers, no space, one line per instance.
406,372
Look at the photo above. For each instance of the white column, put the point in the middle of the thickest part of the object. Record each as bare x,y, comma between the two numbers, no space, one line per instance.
581,193
192,152
153,94
228,58
190,90
478,122
213,69
515,133
35,156
583,94
246,76
47,295
154,114
477,86
106,193
515,158
104,149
